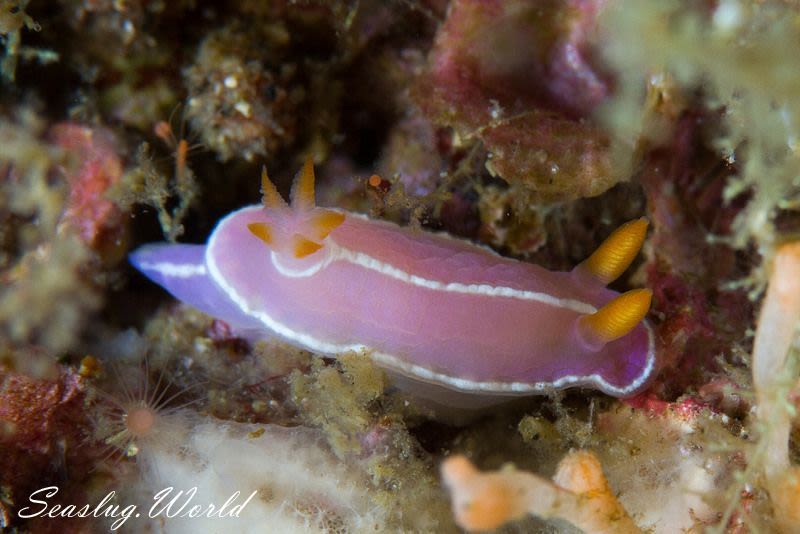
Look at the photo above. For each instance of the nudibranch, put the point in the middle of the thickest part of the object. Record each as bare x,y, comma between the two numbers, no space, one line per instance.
426,306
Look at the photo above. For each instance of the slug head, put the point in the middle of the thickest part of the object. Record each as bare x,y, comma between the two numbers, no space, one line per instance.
297,230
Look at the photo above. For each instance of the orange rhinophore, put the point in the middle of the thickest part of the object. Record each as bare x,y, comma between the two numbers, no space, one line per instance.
303,188
270,197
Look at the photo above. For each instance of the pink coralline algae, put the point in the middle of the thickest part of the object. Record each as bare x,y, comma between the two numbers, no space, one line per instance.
529,109
99,221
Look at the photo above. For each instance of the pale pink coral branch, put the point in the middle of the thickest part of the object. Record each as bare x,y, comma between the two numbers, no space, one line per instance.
777,324
777,330
579,494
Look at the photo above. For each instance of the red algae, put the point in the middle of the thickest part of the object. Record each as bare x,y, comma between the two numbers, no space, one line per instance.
530,110
699,319
36,412
43,428
98,221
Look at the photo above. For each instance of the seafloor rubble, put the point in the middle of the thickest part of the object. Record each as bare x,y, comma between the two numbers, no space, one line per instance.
534,127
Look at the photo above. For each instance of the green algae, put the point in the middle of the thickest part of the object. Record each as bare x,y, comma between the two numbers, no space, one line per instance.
739,59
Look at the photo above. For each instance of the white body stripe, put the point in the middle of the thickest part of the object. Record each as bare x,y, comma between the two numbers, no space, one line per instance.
338,253
175,270
511,388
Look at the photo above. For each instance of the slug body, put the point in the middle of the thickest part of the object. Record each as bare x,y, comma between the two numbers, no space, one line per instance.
429,307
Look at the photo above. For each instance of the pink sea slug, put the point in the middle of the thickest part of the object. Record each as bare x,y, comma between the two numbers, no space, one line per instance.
435,311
